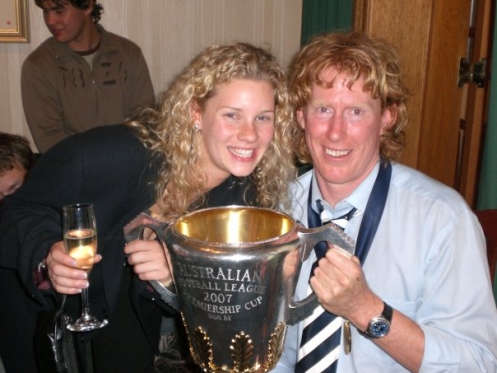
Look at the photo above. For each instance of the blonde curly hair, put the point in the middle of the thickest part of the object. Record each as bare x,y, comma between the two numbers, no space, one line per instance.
169,131
356,55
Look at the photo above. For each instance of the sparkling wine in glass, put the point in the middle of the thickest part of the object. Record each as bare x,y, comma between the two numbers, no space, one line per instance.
80,237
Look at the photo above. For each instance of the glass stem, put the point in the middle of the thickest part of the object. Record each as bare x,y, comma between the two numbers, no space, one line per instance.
86,304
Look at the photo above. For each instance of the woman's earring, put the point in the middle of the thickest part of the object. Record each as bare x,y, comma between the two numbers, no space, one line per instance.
196,127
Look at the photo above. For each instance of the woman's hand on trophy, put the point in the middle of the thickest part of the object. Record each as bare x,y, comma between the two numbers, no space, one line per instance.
149,261
65,276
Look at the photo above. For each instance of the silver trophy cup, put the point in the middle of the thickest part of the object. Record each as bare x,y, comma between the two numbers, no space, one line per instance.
235,269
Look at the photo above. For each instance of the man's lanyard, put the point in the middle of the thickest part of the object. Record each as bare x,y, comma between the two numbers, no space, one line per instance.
372,214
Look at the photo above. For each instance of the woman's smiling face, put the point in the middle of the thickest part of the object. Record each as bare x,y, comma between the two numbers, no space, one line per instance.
237,126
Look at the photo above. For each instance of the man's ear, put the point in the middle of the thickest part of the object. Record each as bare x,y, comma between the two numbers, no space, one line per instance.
388,118
300,118
91,5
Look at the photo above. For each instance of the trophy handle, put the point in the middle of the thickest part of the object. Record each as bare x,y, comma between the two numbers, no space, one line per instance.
331,233
134,230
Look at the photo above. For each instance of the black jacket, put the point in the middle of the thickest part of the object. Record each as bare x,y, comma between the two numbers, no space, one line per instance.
109,167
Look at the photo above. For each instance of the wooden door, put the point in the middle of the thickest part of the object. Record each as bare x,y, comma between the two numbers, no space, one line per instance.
475,106
432,37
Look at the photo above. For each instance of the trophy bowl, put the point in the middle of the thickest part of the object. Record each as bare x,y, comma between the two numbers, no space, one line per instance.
235,269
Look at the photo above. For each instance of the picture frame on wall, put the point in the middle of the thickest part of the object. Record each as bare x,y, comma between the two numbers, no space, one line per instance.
14,24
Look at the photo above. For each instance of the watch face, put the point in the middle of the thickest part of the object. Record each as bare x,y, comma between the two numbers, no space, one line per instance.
379,328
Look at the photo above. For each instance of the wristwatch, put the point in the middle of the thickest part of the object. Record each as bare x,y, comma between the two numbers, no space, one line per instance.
379,326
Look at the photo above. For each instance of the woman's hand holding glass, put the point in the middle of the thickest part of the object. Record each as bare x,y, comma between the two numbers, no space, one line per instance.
65,275
79,229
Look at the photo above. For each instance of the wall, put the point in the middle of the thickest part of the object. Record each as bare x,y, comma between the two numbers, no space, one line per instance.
170,33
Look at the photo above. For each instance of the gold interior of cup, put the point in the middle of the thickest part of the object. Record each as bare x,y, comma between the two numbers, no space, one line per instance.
234,225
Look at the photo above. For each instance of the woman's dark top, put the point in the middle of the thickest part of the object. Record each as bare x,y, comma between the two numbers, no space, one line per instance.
109,167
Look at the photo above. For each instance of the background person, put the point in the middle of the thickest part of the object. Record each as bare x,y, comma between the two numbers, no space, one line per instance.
16,158
221,136
421,299
81,77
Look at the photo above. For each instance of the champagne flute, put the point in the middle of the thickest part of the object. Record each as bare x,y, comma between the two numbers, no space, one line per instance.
80,237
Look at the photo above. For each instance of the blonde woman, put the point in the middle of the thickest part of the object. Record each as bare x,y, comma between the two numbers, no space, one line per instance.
220,136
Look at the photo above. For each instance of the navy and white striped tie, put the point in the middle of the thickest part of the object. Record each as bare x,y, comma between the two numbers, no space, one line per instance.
320,344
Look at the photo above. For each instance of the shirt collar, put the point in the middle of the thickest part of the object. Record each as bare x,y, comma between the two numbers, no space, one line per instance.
63,49
358,198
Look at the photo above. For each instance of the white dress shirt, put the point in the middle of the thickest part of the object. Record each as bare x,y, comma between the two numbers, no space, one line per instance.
428,261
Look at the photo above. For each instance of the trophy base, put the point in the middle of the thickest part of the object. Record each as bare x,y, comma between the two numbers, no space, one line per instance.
241,352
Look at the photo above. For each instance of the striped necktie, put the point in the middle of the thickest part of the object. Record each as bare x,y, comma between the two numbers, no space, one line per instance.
322,330
370,222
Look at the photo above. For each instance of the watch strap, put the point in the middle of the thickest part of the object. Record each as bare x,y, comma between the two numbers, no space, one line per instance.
387,312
